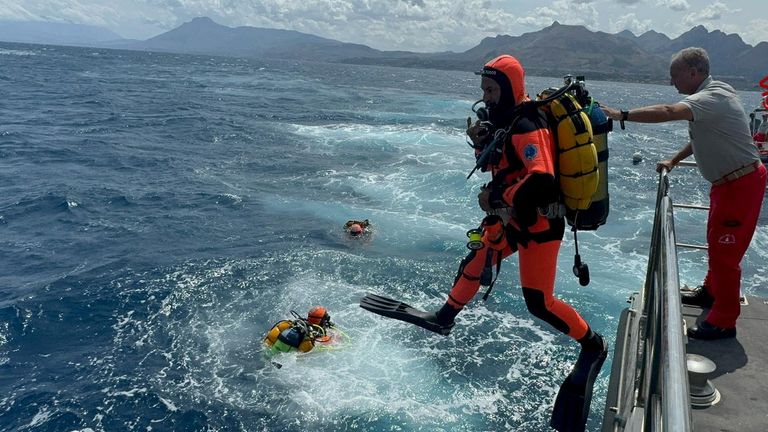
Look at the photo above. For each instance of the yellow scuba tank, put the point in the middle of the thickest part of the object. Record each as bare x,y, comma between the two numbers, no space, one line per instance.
597,212
306,345
581,139
576,153
287,335
274,332
291,338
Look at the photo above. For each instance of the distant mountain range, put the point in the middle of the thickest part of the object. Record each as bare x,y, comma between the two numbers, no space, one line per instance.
553,51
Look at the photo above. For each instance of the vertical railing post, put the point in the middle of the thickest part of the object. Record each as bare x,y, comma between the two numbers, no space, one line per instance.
663,384
676,396
653,393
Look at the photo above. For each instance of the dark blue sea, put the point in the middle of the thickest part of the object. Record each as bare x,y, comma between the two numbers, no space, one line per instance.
159,212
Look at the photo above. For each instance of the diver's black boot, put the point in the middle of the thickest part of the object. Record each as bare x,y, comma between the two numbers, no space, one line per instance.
572,404
594,350
445,316
592,341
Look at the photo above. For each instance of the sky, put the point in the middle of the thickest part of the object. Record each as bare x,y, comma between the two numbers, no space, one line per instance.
410,25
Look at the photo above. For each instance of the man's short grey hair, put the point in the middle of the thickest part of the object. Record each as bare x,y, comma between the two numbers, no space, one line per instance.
693,57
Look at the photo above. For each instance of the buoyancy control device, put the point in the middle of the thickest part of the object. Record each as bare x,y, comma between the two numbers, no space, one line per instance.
298,334
580,130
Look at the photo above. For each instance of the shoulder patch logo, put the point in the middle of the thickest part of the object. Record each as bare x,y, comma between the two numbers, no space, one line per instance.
530,151
727,239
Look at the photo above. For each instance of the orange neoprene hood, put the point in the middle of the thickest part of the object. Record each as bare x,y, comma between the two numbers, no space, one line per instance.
510,75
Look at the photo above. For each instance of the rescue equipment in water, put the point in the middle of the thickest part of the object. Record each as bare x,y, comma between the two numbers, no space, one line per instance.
304,334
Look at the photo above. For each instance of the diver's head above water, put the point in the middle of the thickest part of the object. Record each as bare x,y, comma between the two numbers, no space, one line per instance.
503,88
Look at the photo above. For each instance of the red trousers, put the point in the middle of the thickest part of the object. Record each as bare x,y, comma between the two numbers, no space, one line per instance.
733,211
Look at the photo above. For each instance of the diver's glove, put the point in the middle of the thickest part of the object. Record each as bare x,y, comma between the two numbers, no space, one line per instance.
537,191
480,133
494,196
483,198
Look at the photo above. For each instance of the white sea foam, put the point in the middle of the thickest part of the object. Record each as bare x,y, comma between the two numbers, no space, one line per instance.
400,137
43,415
393,369
4,336
17,52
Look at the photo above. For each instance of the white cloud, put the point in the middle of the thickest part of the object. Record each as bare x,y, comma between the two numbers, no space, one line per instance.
143,18
753,33
12,11
756,31
564,12
675,5
418,25
714,12
415,25
632,23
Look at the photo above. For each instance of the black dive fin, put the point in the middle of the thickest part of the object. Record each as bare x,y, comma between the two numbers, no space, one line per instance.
571,408
398,310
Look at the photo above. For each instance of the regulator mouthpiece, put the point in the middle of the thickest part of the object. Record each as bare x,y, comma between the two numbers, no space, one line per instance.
482,112
475,237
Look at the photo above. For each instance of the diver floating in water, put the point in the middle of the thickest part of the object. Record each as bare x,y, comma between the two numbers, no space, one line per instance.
304,334
357,228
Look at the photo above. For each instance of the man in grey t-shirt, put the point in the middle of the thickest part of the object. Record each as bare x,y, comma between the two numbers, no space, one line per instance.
726,157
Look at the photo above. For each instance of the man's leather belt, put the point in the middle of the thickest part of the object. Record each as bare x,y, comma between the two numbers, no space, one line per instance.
737,173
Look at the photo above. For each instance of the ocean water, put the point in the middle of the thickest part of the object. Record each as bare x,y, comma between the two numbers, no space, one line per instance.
160,212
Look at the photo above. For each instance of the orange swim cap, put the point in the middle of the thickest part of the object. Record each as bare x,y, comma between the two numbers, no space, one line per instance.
318,315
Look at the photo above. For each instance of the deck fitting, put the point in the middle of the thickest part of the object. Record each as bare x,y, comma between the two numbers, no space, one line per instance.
703,392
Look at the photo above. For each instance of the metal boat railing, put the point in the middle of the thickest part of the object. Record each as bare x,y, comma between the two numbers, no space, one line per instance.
648,389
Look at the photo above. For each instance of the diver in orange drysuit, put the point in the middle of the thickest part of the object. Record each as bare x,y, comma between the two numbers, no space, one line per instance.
523,181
